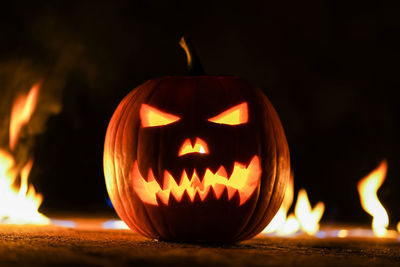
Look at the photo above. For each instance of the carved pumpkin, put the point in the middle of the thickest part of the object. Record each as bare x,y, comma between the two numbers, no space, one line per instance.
196,158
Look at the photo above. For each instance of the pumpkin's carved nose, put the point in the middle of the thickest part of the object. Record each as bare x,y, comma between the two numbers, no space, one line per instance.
199,146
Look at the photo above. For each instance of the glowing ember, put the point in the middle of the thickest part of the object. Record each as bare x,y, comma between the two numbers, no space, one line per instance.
367,188
19,200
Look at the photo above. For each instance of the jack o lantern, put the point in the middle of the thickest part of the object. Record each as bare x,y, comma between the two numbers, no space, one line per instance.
196,158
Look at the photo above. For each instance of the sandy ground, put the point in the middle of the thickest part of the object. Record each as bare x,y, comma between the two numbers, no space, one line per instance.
92,246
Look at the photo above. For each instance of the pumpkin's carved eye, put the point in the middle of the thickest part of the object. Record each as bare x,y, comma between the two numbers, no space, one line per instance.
152,117
233,116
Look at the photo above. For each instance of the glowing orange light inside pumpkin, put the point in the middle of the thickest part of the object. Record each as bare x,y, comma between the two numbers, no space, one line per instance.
151,117
243,180
199,147
233,116
367,189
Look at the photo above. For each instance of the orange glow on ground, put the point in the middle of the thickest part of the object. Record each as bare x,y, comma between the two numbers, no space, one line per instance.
233,116
19,202
342,233
367,189
152,117
243,180
199,147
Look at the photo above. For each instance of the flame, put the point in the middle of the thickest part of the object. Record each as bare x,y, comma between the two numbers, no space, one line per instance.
367,189
21,113
199,147
18,199
398,227
308,217
290,227
305,217
243,180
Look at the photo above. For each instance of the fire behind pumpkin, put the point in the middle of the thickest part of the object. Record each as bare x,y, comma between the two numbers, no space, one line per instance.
196,158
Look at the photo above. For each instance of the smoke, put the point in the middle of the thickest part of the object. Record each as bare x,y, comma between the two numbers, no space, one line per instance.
48,54
16,78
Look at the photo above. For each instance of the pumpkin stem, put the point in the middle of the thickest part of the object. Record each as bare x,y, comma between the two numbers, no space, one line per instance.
193,62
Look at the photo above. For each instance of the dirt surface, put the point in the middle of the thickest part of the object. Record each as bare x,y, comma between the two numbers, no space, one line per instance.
51,245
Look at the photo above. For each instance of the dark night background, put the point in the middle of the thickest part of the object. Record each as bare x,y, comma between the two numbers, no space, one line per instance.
330,69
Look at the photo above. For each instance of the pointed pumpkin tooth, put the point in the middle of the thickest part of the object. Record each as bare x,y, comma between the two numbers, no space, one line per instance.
214,168
143,172
173,200
254,172
203,194
222,172
169,181
185,179
163,197
211,196
150,176
218,189
177,194
201,171
155,176
176,174
186,199
209,178
196,183
235,200
197,197
189,172
229,169
224,195
231,191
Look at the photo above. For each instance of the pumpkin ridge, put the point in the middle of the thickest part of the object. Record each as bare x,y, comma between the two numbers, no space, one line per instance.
254,220
145,210
125,123
258,227
116,125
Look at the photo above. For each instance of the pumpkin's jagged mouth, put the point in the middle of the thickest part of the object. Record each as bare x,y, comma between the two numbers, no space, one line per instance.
243,181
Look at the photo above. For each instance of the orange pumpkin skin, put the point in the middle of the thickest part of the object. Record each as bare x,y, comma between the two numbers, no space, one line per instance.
136,152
